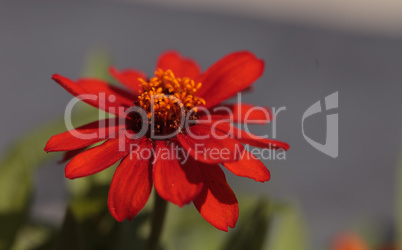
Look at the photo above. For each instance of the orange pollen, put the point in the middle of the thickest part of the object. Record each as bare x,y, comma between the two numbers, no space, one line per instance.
171,98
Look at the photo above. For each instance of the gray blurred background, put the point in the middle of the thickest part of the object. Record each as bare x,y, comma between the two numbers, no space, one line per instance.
311,50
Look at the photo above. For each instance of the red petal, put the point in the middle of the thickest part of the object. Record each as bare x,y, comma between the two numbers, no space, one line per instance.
98,158
249,138
68,155
241,113
99,86
131,184
85,135
211,149
129,78
98,94
174,181
231,74
181,67
217,203
352,241
249,166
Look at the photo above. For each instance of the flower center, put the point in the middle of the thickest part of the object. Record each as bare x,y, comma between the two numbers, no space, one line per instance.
167,99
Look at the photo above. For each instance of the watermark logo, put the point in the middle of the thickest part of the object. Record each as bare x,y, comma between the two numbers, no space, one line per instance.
331,146
135,122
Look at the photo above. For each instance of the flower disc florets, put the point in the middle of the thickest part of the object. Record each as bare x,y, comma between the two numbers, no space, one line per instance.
167,100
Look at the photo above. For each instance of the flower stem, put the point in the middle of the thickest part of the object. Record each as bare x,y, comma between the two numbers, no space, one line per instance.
158,218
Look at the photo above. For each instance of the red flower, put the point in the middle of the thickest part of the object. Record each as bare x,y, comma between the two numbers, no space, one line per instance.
154,146
349,241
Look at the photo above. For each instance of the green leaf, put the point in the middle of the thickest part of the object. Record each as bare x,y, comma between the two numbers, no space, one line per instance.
16,172
92,204
130,234
19,162
251,233
70,235
288,231
84,187
33,236
9,226
186,229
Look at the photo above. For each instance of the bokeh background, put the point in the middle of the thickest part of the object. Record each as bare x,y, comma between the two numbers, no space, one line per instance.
311,49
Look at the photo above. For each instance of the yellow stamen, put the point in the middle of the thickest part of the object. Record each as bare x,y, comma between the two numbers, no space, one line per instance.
172,98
